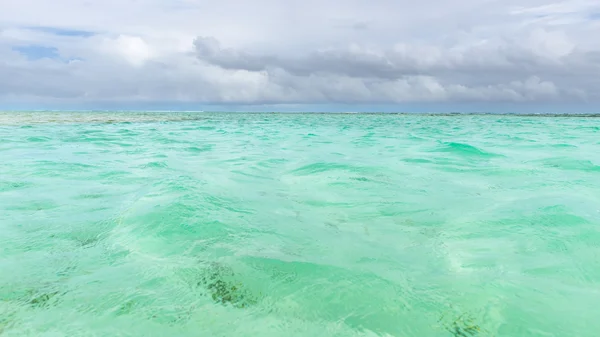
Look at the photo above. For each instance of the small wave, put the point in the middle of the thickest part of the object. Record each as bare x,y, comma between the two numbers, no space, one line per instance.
165,140
197,149
324,167
56,166
155,164
113,174
128,132
417,160
329,204
227,204
90,132
272,162
39,139
6,186
570,164
42,205
255,176
363,179
91,196
88,139
564,145
206,128
466,150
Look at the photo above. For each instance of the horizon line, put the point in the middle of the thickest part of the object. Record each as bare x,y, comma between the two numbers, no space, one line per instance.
374,112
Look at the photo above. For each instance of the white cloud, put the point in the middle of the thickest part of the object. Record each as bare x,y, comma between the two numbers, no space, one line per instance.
301,51
131,48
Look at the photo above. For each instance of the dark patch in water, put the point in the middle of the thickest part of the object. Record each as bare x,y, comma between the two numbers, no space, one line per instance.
332,226
43,299
463,326
66,271
7,320
85,241
126,308
220,282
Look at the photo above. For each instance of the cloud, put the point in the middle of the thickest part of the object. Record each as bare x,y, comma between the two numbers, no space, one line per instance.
504,69
299,52
132,49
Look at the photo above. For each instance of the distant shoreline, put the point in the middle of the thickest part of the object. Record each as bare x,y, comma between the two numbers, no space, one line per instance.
435,114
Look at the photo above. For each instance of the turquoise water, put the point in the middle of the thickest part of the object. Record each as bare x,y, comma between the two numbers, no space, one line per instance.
200,224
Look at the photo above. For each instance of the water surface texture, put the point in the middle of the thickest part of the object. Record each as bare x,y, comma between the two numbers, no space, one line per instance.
207,224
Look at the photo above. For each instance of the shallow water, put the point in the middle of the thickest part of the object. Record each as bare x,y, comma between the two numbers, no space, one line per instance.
207,224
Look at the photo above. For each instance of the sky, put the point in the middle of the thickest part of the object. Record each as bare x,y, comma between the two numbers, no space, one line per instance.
351,55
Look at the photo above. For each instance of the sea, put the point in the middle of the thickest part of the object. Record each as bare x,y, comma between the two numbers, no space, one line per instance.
299,224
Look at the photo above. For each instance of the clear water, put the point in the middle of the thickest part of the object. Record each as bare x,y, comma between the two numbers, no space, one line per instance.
198,224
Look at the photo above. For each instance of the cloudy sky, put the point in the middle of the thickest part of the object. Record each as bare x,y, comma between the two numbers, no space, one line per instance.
427,54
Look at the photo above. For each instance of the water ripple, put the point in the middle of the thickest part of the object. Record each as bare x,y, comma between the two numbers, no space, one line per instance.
187,224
